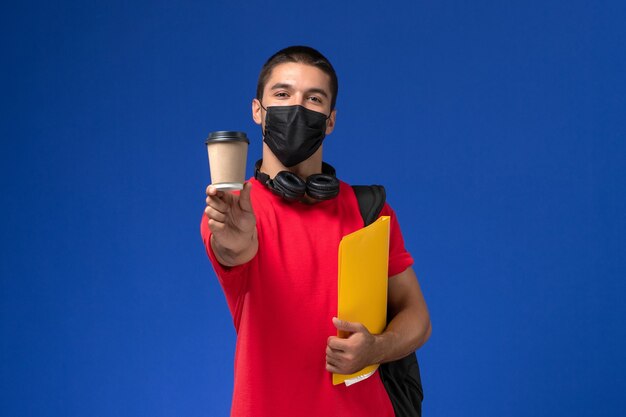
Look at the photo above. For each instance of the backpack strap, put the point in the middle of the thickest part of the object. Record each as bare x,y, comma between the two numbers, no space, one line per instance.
371,200
401,377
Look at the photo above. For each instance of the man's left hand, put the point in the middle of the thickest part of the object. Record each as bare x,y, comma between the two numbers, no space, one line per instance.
352,353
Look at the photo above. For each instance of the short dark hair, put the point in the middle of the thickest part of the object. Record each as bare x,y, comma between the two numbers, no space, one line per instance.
304,55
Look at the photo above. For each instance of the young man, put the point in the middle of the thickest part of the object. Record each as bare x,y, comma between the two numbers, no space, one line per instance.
274,249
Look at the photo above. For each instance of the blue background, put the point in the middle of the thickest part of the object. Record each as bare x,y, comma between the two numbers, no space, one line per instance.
498,129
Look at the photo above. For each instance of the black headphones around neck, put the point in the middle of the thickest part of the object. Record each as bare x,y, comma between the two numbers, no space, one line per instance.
291,187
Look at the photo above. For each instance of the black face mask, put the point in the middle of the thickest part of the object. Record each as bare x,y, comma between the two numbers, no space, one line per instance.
293,133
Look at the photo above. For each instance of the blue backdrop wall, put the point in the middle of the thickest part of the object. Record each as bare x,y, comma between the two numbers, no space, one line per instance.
497,128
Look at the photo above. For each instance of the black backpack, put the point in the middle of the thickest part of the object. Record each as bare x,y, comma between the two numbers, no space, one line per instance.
401,377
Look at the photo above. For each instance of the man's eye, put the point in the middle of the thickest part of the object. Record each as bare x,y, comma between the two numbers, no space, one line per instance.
315,99
281,94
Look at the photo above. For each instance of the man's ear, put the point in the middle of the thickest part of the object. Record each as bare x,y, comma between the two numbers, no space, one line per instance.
330,123
257,116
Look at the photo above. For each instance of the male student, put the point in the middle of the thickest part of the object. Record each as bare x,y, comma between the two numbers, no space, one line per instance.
274,249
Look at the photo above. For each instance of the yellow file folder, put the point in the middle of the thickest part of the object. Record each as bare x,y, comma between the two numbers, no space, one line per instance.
363,273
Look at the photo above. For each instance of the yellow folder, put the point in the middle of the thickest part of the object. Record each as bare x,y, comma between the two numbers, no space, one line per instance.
363,273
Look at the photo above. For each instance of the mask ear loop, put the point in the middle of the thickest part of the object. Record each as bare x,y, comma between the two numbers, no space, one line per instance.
262,119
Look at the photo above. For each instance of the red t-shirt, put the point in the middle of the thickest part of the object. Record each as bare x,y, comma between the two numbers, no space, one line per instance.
282,303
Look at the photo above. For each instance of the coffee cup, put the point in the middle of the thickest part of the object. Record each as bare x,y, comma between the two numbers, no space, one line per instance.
228,151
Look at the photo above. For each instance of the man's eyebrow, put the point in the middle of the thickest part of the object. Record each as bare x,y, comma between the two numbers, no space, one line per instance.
319,91
278,86
287,86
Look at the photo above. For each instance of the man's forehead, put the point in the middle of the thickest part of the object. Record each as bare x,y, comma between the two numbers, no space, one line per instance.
298,75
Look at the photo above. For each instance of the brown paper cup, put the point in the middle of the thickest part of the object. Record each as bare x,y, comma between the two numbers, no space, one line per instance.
227,159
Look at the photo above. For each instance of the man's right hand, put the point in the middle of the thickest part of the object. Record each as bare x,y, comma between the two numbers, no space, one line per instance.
232,224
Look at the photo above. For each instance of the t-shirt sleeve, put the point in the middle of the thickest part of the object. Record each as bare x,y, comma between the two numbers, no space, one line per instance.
399,258
232,279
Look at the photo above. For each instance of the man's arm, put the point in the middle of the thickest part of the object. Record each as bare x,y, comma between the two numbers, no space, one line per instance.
408,329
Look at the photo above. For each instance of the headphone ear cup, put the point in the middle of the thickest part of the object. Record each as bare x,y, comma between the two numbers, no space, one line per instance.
322,186
288,185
